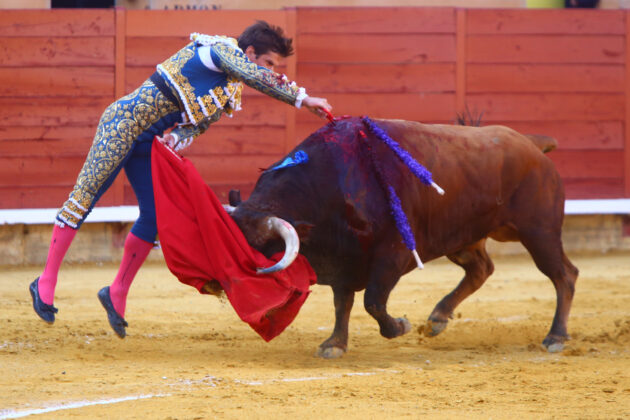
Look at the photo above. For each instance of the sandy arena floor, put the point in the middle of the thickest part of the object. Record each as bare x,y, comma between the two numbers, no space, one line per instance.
188,356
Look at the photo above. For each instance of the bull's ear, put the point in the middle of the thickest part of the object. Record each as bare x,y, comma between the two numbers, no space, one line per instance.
303,230
234,197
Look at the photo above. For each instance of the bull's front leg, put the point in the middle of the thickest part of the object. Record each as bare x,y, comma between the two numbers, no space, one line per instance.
375,301
337,344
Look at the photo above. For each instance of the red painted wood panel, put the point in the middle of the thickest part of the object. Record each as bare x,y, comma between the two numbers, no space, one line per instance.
378,78
64,147
371,48
599,135
41,196
57,22
593,188
180,23
56,81
545,78
600,49
38,170
228,169
589,164
52,111
151,51
550,21
548,106
555,72
430,107
238,140
376,20
56,51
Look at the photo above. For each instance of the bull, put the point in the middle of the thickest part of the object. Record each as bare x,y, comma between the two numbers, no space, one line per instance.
498,184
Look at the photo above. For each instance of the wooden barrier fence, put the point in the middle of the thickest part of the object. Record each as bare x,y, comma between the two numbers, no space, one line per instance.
564,73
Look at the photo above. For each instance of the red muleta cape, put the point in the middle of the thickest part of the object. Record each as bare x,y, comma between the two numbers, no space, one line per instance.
201,242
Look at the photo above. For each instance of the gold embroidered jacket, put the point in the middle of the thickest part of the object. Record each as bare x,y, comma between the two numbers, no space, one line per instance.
207,89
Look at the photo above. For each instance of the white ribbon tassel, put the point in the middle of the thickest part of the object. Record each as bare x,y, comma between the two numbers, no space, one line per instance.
437,188
418,261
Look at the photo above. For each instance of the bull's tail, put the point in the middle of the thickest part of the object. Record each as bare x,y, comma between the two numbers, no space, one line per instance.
544,143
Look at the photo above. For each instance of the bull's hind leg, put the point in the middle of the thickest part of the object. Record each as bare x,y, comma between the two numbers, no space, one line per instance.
478,266
337,344
545,248
383,278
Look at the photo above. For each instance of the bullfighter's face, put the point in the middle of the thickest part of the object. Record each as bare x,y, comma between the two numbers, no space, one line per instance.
269,60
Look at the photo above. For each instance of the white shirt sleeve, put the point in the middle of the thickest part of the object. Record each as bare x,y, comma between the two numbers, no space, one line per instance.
206,59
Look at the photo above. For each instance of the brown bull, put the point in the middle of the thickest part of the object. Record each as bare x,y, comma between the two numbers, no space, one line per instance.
498,184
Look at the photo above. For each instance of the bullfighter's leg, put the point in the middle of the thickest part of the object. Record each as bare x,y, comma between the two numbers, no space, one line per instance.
383,278
478,267
337,344
545,248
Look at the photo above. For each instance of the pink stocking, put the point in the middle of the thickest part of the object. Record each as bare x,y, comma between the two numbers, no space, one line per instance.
135,253
59,243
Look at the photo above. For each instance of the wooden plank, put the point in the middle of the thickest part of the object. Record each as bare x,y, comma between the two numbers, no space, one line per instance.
291,73
56,81
52,111
180,23
135,76
232,169
575,135
56,51
593,188
40,196
530,49
120,53
58,22
545,78
28,148
548,107
461,70
589,164
369,48
49,134
376,20
430,107
626,161
117,188
377,78
238,139
257,110
149,52
548,21
48,170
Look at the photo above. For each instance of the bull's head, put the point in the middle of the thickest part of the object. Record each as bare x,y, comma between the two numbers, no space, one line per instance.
262,230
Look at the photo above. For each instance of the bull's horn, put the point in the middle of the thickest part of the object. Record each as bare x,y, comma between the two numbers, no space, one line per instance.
229,209
291,241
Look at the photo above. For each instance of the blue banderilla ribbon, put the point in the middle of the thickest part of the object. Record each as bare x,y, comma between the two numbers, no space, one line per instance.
298,158
422,173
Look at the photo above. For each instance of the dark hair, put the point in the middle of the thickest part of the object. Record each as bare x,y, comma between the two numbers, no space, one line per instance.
264,37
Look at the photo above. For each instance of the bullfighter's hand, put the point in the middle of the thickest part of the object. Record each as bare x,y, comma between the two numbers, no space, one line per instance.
317,105
168,140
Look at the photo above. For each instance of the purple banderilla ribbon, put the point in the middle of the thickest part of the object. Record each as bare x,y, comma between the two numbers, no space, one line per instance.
402,223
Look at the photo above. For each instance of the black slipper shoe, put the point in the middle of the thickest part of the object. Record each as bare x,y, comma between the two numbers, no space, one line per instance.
45,311
116,321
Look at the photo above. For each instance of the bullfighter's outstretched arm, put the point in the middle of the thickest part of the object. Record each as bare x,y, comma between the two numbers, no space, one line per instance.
236,64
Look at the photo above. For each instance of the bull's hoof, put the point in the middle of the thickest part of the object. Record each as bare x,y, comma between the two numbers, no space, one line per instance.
405,324
433,328
330,352
553,343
